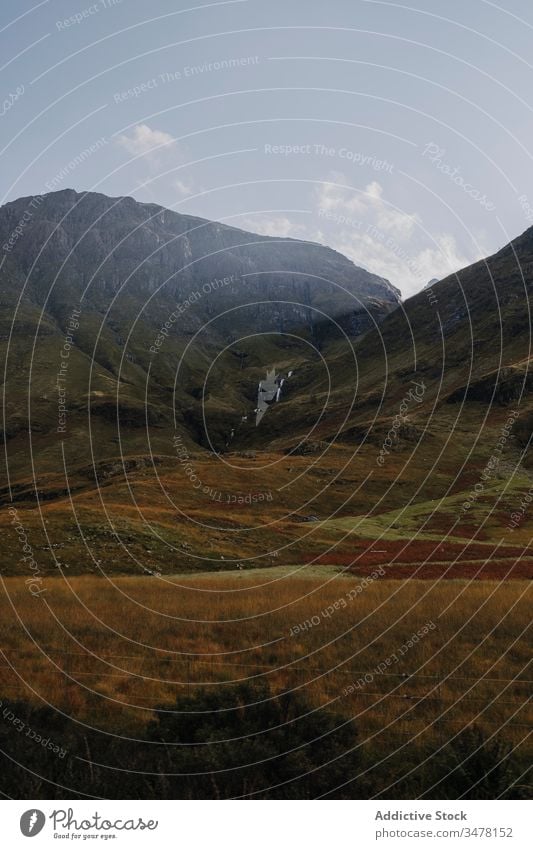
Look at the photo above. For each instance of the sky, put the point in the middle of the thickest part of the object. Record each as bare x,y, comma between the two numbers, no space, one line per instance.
398,134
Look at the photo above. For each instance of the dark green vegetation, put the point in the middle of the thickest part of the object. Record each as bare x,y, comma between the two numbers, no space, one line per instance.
152,446
132,269
133,342
243,742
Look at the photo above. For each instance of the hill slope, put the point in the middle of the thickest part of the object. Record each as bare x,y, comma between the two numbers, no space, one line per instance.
142,294
390,422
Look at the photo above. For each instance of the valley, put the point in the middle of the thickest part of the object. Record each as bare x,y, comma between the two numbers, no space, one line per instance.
409,663
263,489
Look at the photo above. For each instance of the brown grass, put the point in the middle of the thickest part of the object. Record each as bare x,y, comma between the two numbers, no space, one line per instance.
107,652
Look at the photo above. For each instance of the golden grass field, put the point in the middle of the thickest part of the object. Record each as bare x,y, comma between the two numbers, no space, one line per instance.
139,642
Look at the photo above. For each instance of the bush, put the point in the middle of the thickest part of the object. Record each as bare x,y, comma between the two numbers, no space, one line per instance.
477,767
244,741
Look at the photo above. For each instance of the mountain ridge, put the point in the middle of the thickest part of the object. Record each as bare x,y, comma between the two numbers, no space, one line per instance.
164,435
161,220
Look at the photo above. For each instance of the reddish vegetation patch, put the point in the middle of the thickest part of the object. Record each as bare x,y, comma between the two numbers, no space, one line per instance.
432,559
493,570
419,551
441,525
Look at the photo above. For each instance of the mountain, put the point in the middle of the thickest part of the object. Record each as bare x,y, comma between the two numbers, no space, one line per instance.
67,244
134,343
140,289
469,336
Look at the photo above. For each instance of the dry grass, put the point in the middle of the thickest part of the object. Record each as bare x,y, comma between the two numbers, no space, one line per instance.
108,652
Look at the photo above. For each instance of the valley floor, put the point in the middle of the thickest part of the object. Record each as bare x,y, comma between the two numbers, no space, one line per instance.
411,663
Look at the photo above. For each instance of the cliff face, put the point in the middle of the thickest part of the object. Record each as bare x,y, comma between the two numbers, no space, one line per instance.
119,316
109,248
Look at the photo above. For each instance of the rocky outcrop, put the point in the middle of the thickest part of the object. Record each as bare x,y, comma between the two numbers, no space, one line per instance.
110,247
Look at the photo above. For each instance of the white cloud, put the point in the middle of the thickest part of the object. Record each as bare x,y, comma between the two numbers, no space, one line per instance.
277,225
184,188
387,241
161,155
365,227
406,266
367,205
143,141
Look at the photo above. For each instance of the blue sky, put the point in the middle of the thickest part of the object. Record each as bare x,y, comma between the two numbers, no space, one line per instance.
398,134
